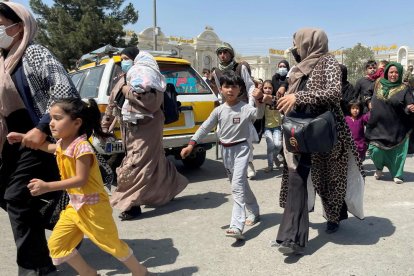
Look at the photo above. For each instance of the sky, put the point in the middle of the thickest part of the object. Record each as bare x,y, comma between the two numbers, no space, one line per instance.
254,27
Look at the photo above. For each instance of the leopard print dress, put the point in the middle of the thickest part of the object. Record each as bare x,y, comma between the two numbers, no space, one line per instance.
328,170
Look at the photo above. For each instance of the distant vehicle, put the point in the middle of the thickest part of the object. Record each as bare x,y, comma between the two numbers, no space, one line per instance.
98,74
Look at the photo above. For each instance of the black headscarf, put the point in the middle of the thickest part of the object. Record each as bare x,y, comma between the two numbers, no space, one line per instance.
285,62
348,92
131,52
277,79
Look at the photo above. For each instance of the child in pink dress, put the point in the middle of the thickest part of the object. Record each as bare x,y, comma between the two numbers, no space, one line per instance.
356,123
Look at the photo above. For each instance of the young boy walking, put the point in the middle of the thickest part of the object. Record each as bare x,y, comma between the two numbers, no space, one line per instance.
233,118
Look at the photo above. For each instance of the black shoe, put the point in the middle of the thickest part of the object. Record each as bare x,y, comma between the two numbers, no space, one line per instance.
132,213
43,271
47,271
331,227
26,272
289,247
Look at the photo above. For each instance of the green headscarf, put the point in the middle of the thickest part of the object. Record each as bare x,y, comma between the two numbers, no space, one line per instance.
386,84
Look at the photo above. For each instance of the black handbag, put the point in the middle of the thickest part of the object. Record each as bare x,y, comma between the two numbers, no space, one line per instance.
305,133
50,208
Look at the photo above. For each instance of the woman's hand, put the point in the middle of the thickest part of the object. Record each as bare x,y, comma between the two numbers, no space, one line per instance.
286,103
38,187
186,151
410,107
15,137
34,139
125,89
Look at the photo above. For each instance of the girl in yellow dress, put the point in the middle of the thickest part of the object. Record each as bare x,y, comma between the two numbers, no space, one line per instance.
88,212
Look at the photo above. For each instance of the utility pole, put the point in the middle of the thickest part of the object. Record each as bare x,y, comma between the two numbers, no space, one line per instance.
155,29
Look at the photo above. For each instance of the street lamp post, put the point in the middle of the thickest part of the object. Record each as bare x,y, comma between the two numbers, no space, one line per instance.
155,30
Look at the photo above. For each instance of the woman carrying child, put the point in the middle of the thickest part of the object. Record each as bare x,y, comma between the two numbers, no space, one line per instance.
145,176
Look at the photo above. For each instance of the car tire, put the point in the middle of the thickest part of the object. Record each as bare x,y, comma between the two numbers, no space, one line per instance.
194,161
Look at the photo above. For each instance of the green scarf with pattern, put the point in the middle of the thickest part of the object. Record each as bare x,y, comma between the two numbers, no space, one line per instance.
386,85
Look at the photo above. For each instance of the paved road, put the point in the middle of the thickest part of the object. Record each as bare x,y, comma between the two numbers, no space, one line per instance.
186,237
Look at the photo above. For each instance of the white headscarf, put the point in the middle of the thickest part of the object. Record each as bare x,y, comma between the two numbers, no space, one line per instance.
10,99
145,74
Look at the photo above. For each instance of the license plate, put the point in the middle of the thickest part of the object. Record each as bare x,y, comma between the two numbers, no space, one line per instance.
114,147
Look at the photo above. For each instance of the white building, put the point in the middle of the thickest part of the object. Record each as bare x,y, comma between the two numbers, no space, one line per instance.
200,51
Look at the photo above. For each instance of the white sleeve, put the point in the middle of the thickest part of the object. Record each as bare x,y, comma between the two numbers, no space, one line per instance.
249,84
217,81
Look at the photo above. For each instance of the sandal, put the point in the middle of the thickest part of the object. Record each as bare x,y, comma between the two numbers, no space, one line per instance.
252,220
234,232
132,213
268,169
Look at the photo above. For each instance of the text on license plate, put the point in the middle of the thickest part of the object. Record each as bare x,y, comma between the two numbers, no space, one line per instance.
114,147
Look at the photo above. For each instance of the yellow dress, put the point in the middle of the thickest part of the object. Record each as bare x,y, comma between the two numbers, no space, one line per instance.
88,212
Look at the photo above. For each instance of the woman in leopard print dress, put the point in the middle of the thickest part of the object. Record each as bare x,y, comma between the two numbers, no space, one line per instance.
315,85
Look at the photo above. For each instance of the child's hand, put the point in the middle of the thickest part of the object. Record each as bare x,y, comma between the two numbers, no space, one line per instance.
38,187
281,92
186,151
15,137
257,93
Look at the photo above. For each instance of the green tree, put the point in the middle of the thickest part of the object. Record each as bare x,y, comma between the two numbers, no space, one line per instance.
133,41
71,28
355,59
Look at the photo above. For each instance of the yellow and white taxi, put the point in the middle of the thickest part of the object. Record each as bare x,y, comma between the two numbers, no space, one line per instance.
96,80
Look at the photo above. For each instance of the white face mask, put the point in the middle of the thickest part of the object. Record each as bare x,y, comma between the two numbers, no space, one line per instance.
5,39
282,71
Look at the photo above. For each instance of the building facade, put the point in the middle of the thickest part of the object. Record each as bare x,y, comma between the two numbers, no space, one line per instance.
200,51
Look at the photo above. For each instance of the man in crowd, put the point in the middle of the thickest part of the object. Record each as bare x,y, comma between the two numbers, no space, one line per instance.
364,87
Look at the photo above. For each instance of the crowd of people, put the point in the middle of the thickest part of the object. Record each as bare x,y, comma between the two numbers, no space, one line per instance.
44,122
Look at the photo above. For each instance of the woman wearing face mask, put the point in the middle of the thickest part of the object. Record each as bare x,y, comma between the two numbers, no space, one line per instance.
315,87
31,78
145,176
279,79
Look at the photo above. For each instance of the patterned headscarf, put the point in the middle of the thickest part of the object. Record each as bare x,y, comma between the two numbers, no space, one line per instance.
312,44
386,85
10,99
226,67
145,73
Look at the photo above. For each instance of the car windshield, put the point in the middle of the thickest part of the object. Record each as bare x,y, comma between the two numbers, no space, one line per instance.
185,79
87,81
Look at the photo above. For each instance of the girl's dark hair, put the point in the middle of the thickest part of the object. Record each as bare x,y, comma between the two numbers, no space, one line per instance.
231,78
8,13
88,112
357,103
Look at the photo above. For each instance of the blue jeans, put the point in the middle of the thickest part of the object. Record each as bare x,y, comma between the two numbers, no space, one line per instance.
274,143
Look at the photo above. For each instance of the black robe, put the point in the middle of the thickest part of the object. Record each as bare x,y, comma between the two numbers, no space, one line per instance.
390,120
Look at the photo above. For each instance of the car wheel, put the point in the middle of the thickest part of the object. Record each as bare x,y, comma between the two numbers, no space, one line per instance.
195,160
